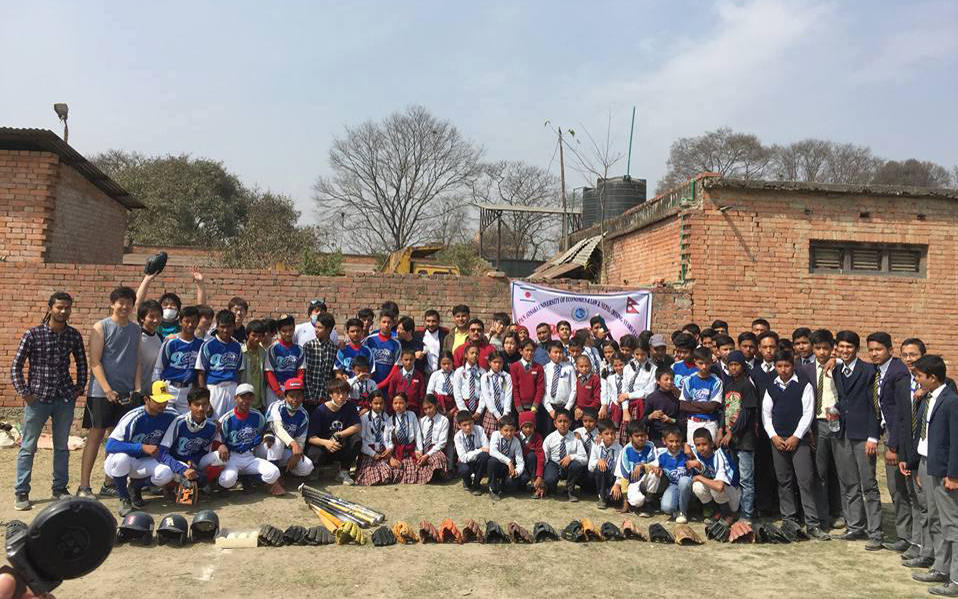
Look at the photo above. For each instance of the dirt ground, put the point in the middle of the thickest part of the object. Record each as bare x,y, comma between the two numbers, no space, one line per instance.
810,569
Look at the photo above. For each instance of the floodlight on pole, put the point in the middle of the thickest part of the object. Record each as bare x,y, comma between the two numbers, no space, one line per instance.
62,110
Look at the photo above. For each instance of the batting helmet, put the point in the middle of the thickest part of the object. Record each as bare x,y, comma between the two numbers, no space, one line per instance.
173,530
205,526
137,527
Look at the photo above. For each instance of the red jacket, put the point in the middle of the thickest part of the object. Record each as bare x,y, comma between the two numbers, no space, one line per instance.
415,390
528,388
485,350
588,394
534,445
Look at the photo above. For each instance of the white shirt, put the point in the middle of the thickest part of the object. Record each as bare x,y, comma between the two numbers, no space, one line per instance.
829,393
640,378
849,368
612,385
931,399
588,439
565,391
612,454
440,433
512,453
461,387
437,383
369,423
479,441
360,387
488,393
413,434
573,447
808,408
306,332
430,342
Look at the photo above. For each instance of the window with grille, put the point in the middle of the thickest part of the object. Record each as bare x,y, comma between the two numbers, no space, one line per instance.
867,258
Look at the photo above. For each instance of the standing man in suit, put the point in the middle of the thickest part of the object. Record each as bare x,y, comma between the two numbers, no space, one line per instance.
857,448
939,446
889,371
433,337
762,375
910,403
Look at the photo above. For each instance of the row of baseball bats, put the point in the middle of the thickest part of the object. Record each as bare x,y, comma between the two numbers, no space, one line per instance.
339,509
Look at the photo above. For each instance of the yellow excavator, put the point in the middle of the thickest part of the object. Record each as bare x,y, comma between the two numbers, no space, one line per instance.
413,260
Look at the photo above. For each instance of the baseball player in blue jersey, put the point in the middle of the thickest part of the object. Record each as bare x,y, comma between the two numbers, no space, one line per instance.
287,423
176,361
133,448
219,364
637,469
187,446
715,477
241,430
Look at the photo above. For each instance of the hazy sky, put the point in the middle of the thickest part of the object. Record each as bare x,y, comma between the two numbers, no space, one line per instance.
264,87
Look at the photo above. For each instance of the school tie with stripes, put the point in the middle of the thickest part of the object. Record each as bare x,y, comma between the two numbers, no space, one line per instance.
924,421
875,403
378,428
447,383
504,447
471,443
473,392
402,431
847,371
562,449
618,386
528,366
916,413
587,441
819,390
497,391
607,455
428,437
409,379
554,387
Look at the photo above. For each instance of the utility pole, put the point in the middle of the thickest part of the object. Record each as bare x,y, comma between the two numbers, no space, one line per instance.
565,216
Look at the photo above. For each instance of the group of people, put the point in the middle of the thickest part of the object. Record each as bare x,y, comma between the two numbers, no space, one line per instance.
733,428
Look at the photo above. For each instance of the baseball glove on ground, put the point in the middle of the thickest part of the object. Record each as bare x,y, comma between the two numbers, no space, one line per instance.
660,534
448,533
543,531
428,532
518,534
741,532
382,537
318,535
404,534
494,533
717,531
793,531
270,536
631,531
187,493
684,535
295,535
591,534
611,532
573,532
350,532
472,532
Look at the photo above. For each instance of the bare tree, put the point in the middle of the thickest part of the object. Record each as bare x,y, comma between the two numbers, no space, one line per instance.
805,160
530,235
851,164
723,151
919,173
390,177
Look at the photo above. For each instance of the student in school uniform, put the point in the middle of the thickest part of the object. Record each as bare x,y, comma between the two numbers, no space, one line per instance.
219,364
467,385
472,449
748,345
889,371
408,380
495,390
284,360
802,346
858,447
528,381
662,408
404,439
940,482
724,345
788,409
588,434
588,388
762,373
361,384
373,465
435,436
559,389
609,350
564,454
441,384
615,396
532,452
602,460
506,464
640,375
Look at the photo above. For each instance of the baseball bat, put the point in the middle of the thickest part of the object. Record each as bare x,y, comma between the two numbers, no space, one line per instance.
365,514
327,521
336,512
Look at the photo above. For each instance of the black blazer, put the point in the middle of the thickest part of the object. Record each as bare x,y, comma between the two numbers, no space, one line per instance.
907,447
855,401
942,427
896,371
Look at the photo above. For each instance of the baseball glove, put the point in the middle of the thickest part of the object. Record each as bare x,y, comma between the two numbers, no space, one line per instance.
404,534
684,535
591,534
428,532
611,532
494,533
448,533
318,535
187,493
741,532
155,264
573,532
660,534
631,531
270,536
350,532
382,537
717,531
472,532
793,531
518,534
295,535
775,534
543,531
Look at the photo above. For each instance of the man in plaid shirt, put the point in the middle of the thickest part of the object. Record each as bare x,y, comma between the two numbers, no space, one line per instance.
319,357
48,393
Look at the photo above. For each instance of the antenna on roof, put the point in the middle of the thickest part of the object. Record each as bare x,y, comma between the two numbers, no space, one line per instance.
62,110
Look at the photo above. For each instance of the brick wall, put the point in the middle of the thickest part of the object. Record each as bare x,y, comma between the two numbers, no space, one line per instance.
27,191
24,290
648,257
88,225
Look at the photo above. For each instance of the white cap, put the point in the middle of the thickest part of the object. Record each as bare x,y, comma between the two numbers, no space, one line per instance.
245,388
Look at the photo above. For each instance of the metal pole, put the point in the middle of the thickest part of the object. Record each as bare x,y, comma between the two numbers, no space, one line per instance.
565,216
499,241
628,165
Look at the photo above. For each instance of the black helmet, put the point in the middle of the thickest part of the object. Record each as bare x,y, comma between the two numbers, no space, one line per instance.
137,527
172,530
205,526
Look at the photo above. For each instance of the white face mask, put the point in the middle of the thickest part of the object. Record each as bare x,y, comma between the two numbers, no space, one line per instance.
169,314
314,318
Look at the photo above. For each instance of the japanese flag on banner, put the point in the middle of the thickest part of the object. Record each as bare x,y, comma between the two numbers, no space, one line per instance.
624,313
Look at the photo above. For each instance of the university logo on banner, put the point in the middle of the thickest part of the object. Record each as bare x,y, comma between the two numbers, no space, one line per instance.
624,313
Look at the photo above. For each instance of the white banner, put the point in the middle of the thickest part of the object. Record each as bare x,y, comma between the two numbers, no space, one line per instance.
629,312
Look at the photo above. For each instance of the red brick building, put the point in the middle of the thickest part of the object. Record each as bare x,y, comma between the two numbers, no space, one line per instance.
866,258
55,205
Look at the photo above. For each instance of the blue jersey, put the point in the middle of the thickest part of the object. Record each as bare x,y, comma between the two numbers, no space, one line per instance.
186,445
695,388
138,428
718,467
177,360
283,361
222,362
682,370
345,357
242,434
295,424
386,354
632,457
673,466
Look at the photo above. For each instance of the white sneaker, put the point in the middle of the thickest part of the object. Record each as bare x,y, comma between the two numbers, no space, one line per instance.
344,478
681,520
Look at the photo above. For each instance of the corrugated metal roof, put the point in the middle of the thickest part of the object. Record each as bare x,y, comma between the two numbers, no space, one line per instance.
44,140
576,257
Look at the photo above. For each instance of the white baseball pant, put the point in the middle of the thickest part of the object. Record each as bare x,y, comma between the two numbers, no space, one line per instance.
647,483
246,463
222,398
691,427
730,495
279,454
121,464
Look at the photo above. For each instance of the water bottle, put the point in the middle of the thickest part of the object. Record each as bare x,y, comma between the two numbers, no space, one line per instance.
834,421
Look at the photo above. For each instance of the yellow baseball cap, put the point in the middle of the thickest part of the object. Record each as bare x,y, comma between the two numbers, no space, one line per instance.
159,393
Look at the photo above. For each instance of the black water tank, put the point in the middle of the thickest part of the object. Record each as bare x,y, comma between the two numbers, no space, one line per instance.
618,193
